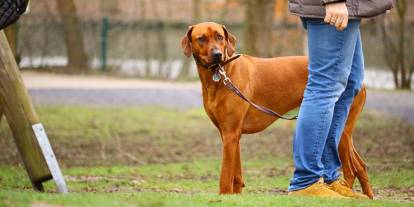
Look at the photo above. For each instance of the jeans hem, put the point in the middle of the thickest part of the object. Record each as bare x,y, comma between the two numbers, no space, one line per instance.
333,179
298,187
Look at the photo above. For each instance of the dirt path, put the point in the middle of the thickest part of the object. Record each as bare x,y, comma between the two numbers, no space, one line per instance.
397,103
51,89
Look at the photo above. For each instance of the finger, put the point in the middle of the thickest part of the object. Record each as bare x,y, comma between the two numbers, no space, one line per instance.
339,21
328,17
333,19
344,23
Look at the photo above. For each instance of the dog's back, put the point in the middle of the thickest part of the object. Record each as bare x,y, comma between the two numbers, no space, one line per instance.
276,83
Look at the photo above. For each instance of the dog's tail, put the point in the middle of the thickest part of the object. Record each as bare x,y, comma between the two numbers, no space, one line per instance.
352,164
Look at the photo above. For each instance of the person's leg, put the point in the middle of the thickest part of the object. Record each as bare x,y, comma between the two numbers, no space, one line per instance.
330,58
330,156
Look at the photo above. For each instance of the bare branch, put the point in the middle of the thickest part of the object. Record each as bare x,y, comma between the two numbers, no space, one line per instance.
390,48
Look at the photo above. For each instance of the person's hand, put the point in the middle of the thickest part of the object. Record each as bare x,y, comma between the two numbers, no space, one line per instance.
337,15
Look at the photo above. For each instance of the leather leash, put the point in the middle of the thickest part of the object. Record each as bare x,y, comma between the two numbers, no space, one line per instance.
219,68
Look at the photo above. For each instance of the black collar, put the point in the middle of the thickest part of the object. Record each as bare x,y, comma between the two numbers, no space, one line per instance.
215,65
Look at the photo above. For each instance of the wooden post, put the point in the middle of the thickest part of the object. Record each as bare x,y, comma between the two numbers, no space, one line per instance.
11,34
21,116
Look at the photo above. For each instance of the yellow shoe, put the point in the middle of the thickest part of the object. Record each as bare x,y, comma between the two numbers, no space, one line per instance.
318,189
341,187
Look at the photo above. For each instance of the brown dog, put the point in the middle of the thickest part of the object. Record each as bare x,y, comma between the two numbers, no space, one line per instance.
276,83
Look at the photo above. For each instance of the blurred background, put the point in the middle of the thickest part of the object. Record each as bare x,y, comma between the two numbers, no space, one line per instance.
140,38
113,88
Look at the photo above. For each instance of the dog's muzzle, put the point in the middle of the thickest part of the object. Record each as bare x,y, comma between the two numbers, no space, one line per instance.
216,56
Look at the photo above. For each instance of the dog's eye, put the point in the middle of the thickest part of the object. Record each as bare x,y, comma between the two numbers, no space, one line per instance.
219,37
201,39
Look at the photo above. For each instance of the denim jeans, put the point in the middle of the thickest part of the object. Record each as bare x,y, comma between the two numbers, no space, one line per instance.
336,72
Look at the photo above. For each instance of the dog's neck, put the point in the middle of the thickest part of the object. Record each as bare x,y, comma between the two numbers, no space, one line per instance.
206,75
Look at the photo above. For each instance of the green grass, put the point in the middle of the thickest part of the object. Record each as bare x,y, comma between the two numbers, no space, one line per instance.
149,156
180,184
174,199
139,135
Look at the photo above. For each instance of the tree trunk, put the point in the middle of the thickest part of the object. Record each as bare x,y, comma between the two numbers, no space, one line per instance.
401,10
146,49
197,11
390,51
197,14
164,71
20,114
259,26
396,80
224,11
161,48
396,45
77,58
110,8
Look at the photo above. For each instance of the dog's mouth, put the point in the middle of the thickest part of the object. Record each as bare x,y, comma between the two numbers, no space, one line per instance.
207,60
215,60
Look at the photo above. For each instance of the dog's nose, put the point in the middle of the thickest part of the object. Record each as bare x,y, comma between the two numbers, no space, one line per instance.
217,54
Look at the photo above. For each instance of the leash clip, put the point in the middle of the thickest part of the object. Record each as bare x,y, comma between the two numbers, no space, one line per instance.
223,73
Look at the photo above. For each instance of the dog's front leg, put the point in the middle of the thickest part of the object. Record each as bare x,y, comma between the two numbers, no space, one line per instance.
238,183
229,161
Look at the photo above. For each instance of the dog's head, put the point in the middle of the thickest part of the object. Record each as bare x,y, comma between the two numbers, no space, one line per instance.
209,42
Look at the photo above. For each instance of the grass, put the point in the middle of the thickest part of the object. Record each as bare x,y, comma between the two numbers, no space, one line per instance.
173,199
178,184
147,156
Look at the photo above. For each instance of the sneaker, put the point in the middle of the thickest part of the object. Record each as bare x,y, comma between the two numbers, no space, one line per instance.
318,189
341,187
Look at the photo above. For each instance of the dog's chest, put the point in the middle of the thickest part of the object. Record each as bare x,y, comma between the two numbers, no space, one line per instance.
211,100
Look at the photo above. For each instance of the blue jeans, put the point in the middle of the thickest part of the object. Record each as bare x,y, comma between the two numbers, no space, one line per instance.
336,72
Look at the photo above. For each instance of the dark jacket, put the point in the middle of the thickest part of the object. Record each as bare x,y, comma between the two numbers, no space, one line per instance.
356,8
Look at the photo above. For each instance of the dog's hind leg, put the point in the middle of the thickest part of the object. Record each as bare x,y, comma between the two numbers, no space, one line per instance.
229,163
352,164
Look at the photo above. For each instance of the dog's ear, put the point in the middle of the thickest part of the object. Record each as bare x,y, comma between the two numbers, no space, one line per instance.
231,41
186,42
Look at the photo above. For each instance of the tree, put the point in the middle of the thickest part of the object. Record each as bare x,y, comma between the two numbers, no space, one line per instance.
259,25
77,58
161,51
398,47
197,10
197,16
111,7
224,11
